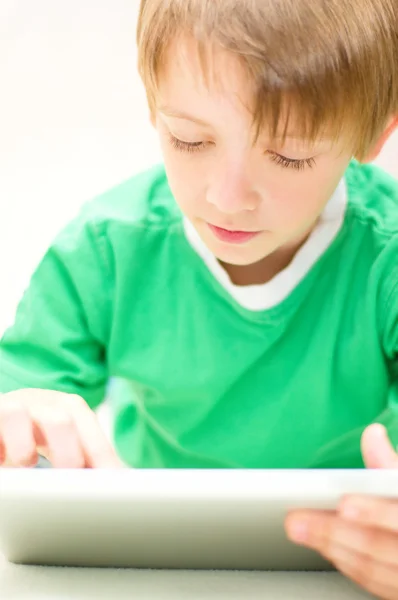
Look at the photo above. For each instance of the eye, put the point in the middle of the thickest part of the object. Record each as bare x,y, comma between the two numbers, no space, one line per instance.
190,147
290,163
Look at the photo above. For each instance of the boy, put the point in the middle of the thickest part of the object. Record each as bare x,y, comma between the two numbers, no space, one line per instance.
246,306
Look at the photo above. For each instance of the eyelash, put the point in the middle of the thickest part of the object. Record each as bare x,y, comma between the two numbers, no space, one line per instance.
186,146
283,161
289,163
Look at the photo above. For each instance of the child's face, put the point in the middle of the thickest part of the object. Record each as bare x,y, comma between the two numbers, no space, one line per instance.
221,180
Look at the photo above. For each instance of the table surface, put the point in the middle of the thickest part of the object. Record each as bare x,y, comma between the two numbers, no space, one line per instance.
18,582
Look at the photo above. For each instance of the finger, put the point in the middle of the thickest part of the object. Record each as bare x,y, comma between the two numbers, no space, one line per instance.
377,450
378,579
56,434
325,531
308,527
370,512
97,449
19,447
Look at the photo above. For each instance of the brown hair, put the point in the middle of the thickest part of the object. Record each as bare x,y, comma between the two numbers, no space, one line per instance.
334,62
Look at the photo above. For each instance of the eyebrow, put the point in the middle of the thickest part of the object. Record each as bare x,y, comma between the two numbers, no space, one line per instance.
178,114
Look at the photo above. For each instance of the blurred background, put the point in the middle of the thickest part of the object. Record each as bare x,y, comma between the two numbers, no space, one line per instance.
73,122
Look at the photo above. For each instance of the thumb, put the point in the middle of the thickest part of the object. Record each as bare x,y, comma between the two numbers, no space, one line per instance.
377,449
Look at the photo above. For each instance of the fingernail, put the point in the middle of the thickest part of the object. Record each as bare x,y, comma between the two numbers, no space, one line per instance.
350,512
299,531
349,509
379,430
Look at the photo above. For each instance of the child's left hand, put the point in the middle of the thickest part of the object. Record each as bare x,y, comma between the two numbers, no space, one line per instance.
361,537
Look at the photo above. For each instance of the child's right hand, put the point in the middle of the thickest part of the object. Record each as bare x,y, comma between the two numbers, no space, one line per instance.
59,426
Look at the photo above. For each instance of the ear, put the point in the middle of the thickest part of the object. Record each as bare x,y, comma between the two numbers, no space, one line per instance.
391,127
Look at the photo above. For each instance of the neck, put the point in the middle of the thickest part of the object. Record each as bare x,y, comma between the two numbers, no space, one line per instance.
267,268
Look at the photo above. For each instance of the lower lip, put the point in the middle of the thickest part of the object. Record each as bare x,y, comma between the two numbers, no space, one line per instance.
233,237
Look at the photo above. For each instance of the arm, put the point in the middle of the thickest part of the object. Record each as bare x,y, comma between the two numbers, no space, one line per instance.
59,337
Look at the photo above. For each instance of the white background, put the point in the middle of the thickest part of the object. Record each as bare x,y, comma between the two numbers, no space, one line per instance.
73,122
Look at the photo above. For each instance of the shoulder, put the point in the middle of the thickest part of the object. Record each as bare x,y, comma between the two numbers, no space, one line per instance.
372,199
135,218
143,200
372,219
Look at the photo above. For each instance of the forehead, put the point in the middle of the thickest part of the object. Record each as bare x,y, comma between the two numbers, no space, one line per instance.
188,79
215,90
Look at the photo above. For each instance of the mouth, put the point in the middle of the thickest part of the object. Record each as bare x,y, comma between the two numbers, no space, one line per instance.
232,237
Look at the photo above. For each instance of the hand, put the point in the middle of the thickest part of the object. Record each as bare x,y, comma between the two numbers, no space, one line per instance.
59,426
361,537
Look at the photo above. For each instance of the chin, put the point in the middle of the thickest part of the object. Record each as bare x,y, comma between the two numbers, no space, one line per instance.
238,256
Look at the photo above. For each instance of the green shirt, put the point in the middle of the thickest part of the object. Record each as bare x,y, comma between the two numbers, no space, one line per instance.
198,380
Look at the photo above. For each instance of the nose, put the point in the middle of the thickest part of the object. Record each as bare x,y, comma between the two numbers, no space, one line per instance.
232,192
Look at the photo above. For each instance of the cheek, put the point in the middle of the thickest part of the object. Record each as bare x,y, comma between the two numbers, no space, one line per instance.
185,177
183,183
297,199
290,210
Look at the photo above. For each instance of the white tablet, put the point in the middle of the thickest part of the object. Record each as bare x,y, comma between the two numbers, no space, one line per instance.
229,519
